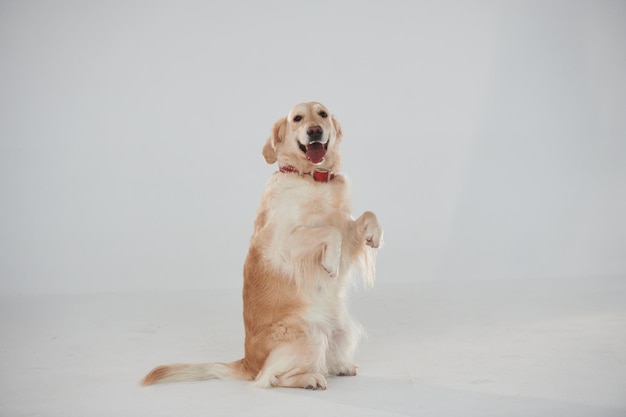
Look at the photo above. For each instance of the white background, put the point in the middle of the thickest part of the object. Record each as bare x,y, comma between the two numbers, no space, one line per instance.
489,137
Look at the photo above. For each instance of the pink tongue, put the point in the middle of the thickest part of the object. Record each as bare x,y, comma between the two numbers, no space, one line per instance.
315,152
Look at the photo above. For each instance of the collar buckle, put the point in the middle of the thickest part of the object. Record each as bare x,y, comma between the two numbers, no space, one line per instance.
322,175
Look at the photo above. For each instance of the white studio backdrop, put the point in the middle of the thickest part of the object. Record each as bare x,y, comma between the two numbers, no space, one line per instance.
489,137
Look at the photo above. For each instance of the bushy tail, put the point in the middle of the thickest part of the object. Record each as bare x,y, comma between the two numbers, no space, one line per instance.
197,372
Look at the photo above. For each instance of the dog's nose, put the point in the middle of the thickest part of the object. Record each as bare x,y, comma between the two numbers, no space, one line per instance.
314,132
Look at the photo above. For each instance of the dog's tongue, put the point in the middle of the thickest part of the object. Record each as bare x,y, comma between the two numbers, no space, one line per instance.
315,152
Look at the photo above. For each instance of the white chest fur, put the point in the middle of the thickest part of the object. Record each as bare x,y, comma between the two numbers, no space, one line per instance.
292,204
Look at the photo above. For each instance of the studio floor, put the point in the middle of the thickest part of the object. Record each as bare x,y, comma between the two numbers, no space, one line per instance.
493,348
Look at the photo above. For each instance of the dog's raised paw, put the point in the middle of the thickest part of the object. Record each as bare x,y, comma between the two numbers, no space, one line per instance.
331,259
332,271
373,233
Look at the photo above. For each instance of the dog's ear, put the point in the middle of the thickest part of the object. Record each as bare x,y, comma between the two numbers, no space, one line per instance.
277,136
337,127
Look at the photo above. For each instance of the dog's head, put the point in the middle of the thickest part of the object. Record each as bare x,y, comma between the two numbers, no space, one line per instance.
308,138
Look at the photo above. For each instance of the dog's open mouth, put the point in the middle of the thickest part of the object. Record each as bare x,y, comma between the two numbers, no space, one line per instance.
315,151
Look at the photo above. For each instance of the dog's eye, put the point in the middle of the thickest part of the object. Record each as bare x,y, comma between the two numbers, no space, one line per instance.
323,114
297,118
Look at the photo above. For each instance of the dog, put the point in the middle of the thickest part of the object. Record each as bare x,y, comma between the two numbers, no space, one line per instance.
305,252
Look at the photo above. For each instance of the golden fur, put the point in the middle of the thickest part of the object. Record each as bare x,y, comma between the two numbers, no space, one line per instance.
303,253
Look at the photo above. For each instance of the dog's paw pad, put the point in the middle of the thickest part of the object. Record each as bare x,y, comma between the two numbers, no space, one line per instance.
370,241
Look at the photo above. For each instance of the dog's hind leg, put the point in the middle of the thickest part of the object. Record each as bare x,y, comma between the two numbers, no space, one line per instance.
293,365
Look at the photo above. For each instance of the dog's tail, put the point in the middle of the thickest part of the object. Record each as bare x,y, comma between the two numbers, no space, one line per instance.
197,372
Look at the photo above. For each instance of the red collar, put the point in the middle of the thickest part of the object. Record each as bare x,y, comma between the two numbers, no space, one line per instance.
319,175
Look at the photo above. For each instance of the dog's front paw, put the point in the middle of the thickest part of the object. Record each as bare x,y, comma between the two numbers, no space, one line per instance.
349,370
372,232
331,256
330,263
373,241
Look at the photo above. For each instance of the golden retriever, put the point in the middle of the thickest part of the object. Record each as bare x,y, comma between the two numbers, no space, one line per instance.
303,254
